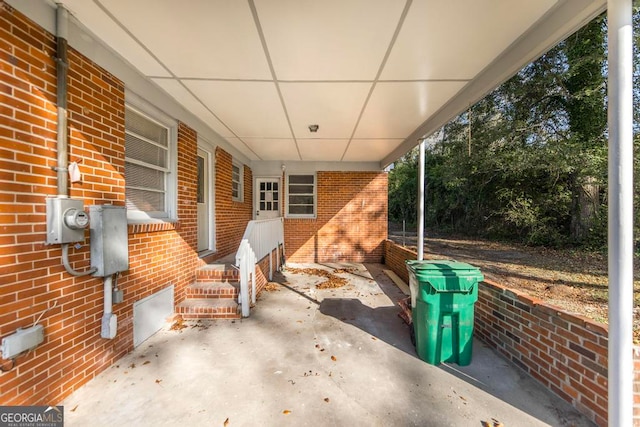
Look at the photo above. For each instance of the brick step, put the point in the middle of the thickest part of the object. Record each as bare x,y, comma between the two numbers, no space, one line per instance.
208,308
225,272
211,289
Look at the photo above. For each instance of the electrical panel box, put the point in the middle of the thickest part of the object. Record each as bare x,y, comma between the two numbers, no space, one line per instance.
66,220
109,239
21,341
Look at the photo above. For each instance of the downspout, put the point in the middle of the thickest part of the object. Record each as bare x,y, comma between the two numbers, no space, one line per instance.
62,166
62,65
620,240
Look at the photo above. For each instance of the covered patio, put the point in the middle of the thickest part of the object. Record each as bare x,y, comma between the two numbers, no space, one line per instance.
311,356
312,99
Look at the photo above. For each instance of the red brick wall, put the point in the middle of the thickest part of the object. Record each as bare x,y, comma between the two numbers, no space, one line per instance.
395,257
32,277
231,216
564,352
351,223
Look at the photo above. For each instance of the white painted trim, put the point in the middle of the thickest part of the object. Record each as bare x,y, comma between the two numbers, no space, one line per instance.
151,113
205,145
241,190
256,193
315,198
301,168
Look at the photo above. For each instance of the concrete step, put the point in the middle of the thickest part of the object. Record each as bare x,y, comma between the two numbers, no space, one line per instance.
225,272
208,308
213,289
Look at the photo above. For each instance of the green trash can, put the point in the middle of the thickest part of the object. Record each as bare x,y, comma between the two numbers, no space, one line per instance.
443,294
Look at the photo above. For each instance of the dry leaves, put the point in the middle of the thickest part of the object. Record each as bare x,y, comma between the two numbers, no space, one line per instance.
333,358
286,412
332,281
226,422
178,325
271,286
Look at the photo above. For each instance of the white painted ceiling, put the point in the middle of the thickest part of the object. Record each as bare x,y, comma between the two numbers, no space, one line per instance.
375,75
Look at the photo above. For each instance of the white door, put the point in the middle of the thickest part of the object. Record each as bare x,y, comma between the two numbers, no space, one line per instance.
204,219
268,200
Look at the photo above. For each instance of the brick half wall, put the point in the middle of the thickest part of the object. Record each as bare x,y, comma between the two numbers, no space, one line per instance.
564,352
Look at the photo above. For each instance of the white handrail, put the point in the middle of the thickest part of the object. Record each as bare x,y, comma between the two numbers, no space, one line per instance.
260,238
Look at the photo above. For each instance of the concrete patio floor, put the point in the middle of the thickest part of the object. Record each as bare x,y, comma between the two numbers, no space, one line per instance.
334,357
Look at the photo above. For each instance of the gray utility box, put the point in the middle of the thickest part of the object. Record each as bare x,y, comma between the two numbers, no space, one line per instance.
109,239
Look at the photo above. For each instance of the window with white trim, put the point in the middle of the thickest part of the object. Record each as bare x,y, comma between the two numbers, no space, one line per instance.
236,182
301,196
149,167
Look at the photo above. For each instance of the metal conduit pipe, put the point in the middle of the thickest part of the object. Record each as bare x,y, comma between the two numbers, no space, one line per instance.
62,65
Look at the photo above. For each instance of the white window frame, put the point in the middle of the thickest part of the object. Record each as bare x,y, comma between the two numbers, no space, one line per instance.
240,196
170,213
315,197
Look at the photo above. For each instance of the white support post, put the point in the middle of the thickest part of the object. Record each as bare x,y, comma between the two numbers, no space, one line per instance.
620,238
420,243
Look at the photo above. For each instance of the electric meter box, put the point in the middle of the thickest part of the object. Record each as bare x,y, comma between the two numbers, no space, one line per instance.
109,239
66,220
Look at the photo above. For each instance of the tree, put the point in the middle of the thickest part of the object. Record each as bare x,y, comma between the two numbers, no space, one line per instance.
585,106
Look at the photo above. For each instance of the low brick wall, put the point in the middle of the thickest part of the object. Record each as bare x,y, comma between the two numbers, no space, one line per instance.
266,264
564,352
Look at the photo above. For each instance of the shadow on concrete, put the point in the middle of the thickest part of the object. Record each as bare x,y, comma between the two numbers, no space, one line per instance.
382,323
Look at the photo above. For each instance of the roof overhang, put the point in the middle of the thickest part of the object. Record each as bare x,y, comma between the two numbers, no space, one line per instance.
374,76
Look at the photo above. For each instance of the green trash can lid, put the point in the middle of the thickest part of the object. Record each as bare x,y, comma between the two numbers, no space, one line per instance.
439,274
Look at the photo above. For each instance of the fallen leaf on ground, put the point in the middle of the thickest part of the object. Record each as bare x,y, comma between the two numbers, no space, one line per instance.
178,325
74,408
333,358
146,362
158,381
226,422
286,412
271,286
326,399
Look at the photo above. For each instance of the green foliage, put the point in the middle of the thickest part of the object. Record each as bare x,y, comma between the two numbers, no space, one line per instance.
537,142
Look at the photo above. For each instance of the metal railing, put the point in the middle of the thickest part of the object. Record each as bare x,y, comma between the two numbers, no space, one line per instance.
260,238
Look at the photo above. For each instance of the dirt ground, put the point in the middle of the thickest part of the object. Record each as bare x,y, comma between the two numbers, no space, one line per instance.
571,279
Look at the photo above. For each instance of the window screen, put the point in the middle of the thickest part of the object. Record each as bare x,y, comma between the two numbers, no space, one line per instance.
236,182
146,164
301,195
